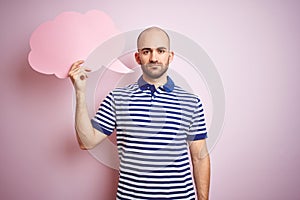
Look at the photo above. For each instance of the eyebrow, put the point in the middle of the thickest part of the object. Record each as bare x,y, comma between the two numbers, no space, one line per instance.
149,49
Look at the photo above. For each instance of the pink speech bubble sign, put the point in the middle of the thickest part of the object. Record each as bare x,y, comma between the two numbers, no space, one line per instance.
71,36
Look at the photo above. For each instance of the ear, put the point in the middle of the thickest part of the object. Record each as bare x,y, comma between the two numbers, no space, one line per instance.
171,56
137,58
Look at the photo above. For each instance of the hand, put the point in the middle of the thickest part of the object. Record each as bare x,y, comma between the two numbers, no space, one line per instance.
78,75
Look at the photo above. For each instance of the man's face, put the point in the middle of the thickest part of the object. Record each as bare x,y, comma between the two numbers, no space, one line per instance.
153,54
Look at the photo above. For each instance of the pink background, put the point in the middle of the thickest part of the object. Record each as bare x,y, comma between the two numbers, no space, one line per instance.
255,46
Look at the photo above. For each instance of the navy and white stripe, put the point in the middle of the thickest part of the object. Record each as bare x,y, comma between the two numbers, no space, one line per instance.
153,127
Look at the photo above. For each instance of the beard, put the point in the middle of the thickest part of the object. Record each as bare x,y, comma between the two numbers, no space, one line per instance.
155,70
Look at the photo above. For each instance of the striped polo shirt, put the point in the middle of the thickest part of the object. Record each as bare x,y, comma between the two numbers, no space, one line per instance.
153,126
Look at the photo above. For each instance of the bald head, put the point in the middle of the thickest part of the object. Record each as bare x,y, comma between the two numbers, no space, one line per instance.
153,37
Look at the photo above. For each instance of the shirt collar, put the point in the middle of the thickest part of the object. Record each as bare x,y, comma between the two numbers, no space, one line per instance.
168,86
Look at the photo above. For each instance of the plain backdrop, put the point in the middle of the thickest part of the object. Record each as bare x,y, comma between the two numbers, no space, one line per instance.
255,46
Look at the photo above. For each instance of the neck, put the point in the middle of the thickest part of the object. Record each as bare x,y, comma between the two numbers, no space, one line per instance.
156,82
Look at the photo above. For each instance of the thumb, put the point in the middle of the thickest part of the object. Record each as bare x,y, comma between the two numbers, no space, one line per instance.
87,69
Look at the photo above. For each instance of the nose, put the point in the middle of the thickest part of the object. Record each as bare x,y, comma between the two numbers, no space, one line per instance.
153,57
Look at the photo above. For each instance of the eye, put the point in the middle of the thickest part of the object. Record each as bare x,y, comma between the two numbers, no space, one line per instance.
161,51
145,52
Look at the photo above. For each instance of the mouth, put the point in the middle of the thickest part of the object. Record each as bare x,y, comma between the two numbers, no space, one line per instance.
154,65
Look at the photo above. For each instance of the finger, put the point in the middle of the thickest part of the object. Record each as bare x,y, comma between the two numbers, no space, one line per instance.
79,62
87,69
82,77
83,70
76,67
76,64
80,73
73,72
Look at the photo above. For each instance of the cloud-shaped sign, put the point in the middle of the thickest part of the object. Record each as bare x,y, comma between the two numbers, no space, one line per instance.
71,36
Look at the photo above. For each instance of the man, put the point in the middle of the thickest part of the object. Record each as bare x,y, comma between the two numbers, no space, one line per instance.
157,123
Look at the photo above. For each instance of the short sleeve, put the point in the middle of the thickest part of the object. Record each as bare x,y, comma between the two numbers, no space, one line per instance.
105,118
197,129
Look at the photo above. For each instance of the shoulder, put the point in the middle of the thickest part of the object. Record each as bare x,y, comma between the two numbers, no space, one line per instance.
185,95
129,89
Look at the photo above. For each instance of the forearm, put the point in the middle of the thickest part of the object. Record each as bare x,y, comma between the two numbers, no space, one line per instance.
84,129
87,136
201,171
